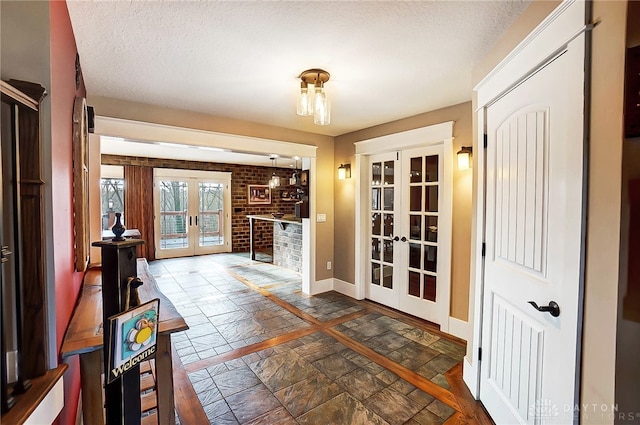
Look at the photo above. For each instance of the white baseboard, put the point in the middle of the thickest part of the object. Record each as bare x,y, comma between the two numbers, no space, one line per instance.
320,286
470,378
50,407
459,328
345,288
12,366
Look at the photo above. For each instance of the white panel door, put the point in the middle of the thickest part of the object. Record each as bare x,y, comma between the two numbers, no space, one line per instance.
533,246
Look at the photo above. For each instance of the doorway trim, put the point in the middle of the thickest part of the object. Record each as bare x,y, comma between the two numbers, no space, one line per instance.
420,137
548,40
147,131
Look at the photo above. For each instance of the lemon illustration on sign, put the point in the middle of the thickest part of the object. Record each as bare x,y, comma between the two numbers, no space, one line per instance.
141,334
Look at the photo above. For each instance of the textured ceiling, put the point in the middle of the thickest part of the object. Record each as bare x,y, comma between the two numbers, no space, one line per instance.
388,59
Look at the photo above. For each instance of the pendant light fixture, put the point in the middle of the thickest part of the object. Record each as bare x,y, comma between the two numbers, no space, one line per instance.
295,177
313,98
275,179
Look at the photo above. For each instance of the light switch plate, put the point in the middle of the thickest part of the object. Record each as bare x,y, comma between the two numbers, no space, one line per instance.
321,218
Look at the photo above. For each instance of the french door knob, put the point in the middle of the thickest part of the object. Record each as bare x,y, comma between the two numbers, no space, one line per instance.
553,308
396,239
403,239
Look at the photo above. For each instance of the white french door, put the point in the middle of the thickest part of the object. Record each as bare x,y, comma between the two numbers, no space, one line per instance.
409,254
192,212
384,259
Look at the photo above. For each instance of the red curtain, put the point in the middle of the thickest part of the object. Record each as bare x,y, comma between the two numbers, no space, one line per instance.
138,206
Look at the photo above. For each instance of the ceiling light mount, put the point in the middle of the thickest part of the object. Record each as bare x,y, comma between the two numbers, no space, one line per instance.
313,99
314,75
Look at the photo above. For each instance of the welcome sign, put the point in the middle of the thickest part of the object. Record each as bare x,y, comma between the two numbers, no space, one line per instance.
133,338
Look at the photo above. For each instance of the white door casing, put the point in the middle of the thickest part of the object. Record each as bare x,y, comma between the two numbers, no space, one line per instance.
534,225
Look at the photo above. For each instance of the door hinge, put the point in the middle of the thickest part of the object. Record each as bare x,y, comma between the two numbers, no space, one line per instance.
397,156
486,141
484,249
479,354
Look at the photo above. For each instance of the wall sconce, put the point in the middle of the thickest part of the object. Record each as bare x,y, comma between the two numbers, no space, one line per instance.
313,99
344,171
464,158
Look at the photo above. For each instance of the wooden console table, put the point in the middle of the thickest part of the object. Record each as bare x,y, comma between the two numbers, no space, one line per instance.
84,337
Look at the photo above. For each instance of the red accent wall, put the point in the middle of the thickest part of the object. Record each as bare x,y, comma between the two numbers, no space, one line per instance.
67,282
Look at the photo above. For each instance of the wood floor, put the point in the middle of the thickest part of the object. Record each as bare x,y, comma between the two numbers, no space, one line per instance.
413,370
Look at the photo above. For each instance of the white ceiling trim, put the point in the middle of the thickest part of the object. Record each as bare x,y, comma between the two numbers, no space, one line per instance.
152,132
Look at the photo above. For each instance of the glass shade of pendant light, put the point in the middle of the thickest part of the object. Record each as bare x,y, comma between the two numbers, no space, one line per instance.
305,100
321,112
275,179
313,98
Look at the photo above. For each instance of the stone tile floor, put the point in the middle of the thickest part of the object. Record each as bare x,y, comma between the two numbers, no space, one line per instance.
312,372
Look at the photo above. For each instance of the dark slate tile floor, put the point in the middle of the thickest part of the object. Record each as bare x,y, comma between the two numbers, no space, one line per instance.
311,379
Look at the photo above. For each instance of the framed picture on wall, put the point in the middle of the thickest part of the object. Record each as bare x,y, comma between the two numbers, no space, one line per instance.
258,194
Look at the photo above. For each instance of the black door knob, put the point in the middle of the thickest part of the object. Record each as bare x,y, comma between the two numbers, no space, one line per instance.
553,308
403,239
396,239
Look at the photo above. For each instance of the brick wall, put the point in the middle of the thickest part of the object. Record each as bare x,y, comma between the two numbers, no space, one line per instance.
241,176
287,246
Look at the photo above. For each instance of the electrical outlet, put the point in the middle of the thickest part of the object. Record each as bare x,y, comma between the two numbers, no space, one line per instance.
328,265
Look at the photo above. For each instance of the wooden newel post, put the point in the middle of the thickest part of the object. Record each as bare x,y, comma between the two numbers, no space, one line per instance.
119,264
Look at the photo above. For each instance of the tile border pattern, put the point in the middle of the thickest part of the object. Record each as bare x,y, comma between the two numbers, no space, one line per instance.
458,399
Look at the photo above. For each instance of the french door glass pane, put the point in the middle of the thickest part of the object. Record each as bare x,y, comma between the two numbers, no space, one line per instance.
415,198
375,248
414,255
430,258
388,225
211,205
388,172
388,251
415,227
375,224
375,199
375,273
432,168
387,278
431,228
174,226
376,169
414,284
388,199
415,174
429,292
431,199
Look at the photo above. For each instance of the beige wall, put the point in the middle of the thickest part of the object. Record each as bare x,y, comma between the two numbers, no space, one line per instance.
115,108
345,199
603,232
604,174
